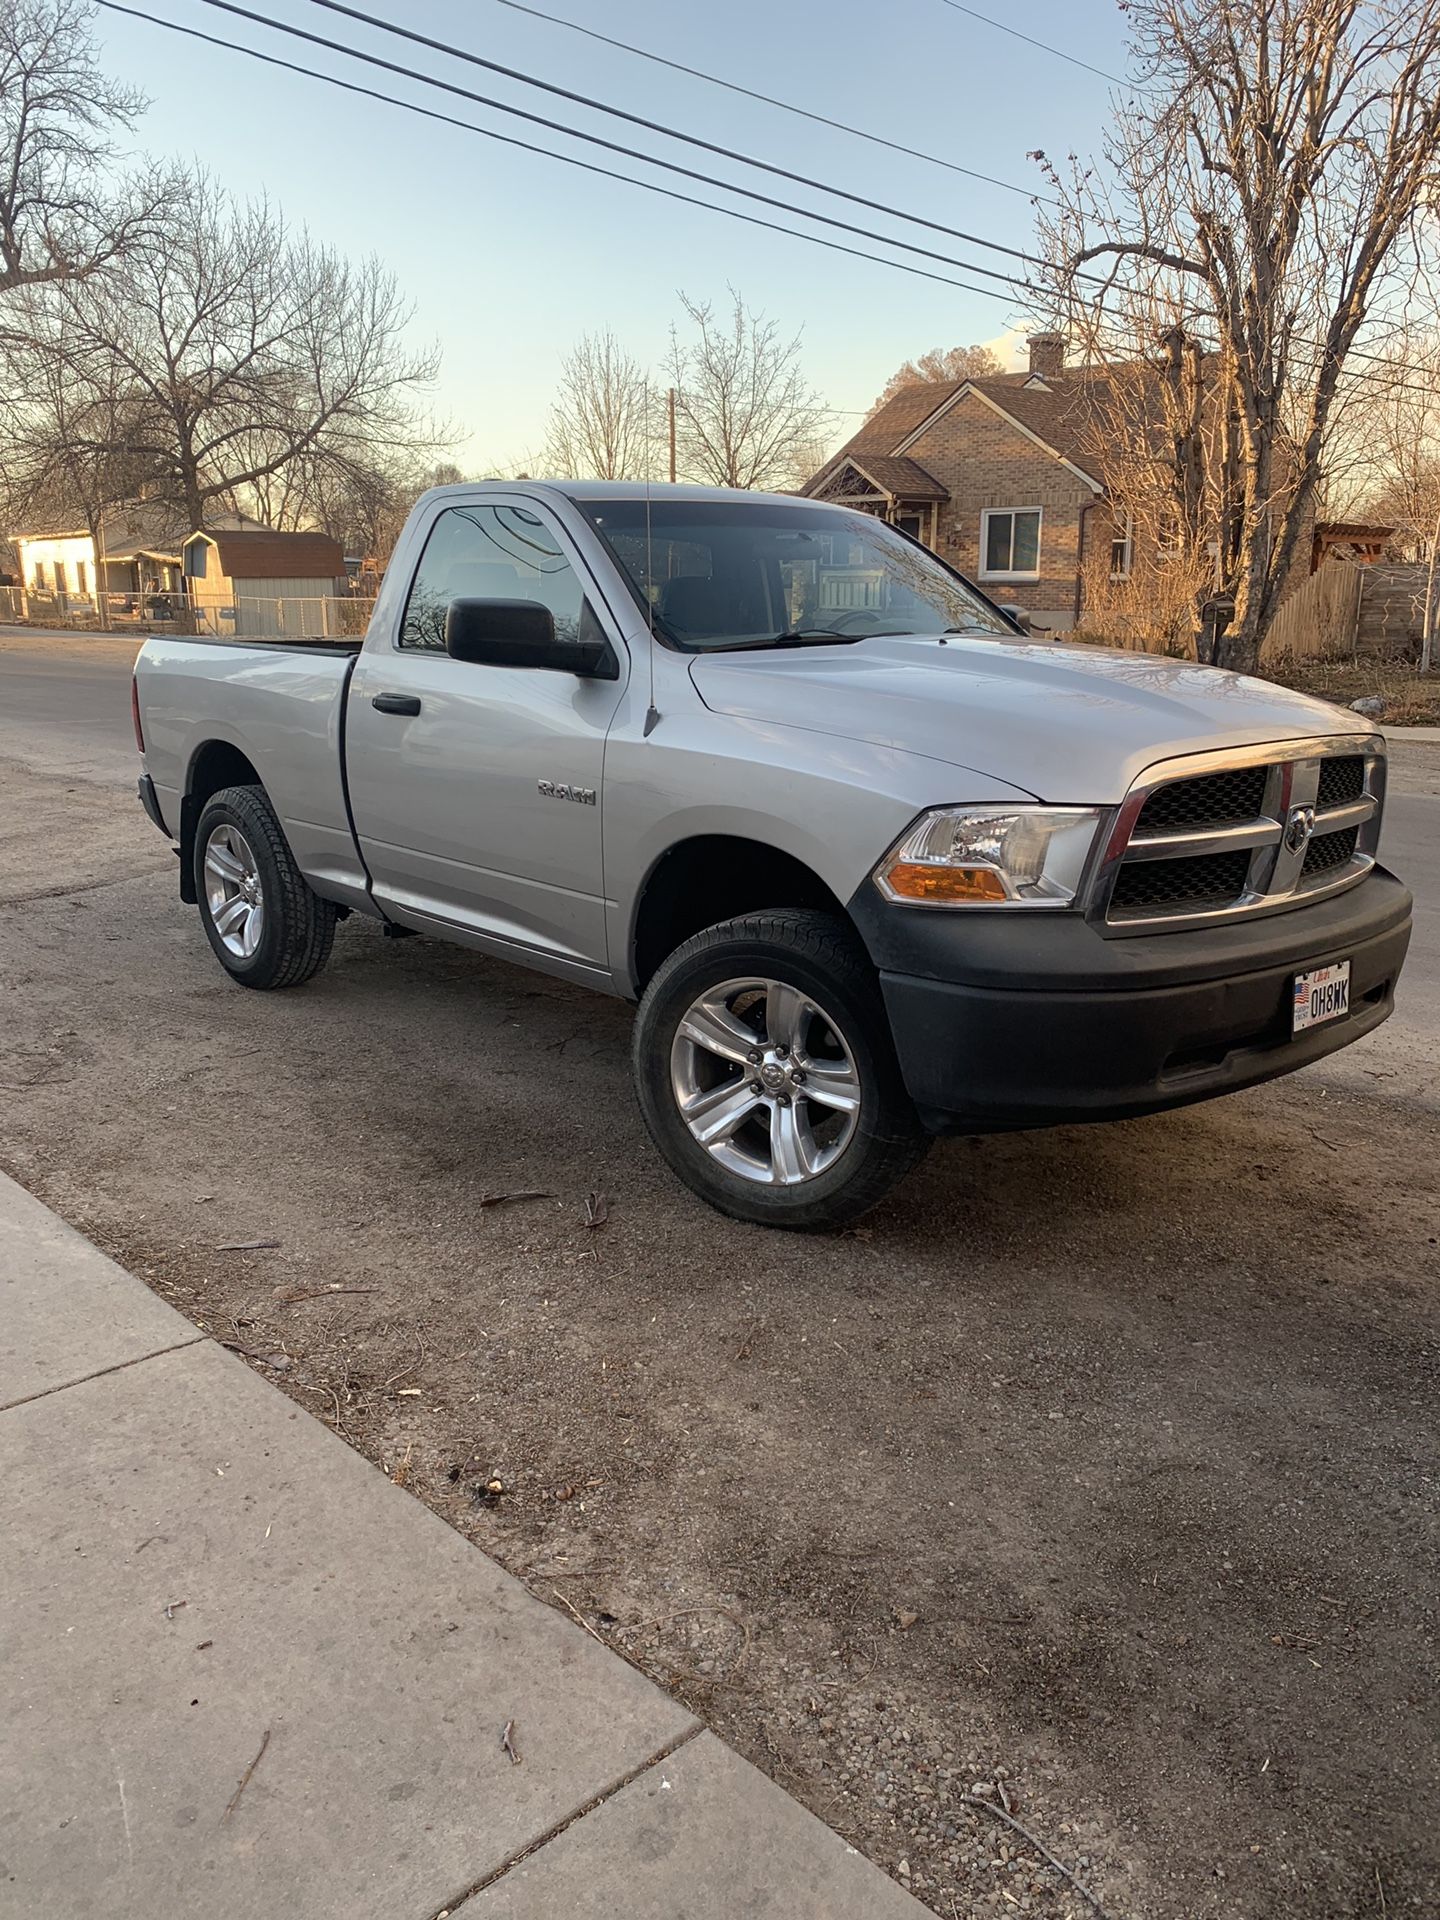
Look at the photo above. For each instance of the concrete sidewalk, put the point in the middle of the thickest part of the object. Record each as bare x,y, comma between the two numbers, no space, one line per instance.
241,1673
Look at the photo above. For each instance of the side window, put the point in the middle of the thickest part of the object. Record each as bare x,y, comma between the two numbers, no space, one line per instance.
489,553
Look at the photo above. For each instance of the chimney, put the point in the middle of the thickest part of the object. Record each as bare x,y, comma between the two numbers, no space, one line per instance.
1047,354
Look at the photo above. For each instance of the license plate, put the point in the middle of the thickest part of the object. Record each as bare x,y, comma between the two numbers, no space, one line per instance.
1320,995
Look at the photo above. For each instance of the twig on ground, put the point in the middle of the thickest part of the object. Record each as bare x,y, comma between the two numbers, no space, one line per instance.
975,1800
508,1743
245,1778
597,1210
733,1618
339,1423
292,1296
246,1246
579,1618
511,1199
742,1352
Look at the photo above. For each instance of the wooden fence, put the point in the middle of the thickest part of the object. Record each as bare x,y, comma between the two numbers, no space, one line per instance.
1319,619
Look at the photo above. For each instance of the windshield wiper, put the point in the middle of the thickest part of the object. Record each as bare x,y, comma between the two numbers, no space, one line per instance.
797,637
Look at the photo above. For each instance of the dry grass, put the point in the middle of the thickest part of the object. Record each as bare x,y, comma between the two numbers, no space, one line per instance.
1413,698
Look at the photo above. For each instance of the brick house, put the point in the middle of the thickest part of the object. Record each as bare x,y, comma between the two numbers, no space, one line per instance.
999,475
994,474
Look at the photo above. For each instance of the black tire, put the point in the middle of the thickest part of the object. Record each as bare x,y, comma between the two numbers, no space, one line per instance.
819,956
297,926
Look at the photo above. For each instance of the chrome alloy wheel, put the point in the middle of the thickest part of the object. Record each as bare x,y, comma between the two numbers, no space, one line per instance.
766,1081
233,892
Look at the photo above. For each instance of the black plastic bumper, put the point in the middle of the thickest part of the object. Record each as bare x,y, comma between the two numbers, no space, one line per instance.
1035,1020
150,801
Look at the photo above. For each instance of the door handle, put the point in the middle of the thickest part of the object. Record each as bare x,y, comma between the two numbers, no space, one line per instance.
396,703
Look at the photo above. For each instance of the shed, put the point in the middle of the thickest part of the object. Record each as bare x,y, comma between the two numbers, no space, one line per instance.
256,581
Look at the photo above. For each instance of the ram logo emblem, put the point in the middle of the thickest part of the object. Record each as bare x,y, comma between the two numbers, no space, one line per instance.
559,790
1299,828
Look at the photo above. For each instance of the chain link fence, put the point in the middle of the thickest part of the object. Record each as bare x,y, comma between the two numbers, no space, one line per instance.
279,616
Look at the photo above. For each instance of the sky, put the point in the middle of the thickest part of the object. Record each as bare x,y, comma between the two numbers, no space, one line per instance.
508,257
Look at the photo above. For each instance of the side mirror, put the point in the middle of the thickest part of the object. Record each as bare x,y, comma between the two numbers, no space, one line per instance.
517,633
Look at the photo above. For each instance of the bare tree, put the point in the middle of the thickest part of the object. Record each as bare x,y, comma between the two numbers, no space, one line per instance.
1258,199
60,218
601,422
65,451
253,358
365,508
745,416
940,363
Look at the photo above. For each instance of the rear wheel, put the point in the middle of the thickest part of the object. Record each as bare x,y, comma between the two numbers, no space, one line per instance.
766,1072
265,924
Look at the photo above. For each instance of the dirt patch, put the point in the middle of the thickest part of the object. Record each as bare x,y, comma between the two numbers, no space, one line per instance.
1097,1466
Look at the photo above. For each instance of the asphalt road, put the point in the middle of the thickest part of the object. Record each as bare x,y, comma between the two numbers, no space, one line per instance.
1106,1456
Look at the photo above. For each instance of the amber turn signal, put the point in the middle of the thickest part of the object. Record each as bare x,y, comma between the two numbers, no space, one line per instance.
958,886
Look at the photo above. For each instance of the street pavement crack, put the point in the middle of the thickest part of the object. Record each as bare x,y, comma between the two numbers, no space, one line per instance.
453,1907
64,1386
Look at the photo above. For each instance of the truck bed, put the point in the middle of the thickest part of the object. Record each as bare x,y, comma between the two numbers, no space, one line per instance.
281,705
345,643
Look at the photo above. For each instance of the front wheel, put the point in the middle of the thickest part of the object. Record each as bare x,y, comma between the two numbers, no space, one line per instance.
266,926
767,1075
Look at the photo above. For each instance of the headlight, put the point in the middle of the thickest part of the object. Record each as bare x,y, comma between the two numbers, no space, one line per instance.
990,857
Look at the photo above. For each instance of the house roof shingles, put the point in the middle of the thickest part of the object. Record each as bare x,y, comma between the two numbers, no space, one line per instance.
137,527
903,478
257,553
1054,413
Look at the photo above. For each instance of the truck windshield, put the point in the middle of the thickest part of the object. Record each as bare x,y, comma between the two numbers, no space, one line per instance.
718,574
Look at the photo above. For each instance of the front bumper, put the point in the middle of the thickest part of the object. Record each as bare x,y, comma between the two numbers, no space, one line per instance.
1031,1020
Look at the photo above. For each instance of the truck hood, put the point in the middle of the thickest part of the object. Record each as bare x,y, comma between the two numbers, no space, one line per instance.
1073,725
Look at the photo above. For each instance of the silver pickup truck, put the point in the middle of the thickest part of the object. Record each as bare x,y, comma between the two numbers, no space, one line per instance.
874,866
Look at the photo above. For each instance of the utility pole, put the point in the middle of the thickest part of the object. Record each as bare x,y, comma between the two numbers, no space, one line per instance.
102,576
672,436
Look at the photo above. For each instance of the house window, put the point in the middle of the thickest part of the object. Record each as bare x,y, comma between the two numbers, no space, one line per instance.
41,586
908,523
1010,543
82,577
1122,547
195,559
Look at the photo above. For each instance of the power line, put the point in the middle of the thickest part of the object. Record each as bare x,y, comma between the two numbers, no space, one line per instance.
526,146
769,100
631,153
1044,45
1118,342
633,119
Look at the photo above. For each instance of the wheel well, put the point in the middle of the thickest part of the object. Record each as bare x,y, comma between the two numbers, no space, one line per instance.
216,765
712,878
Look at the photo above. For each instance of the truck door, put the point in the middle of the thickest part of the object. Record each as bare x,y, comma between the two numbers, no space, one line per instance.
475,789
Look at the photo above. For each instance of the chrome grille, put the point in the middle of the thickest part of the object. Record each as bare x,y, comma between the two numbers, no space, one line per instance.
1211,880
1342,781
1328,851
1214,837
1211,800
